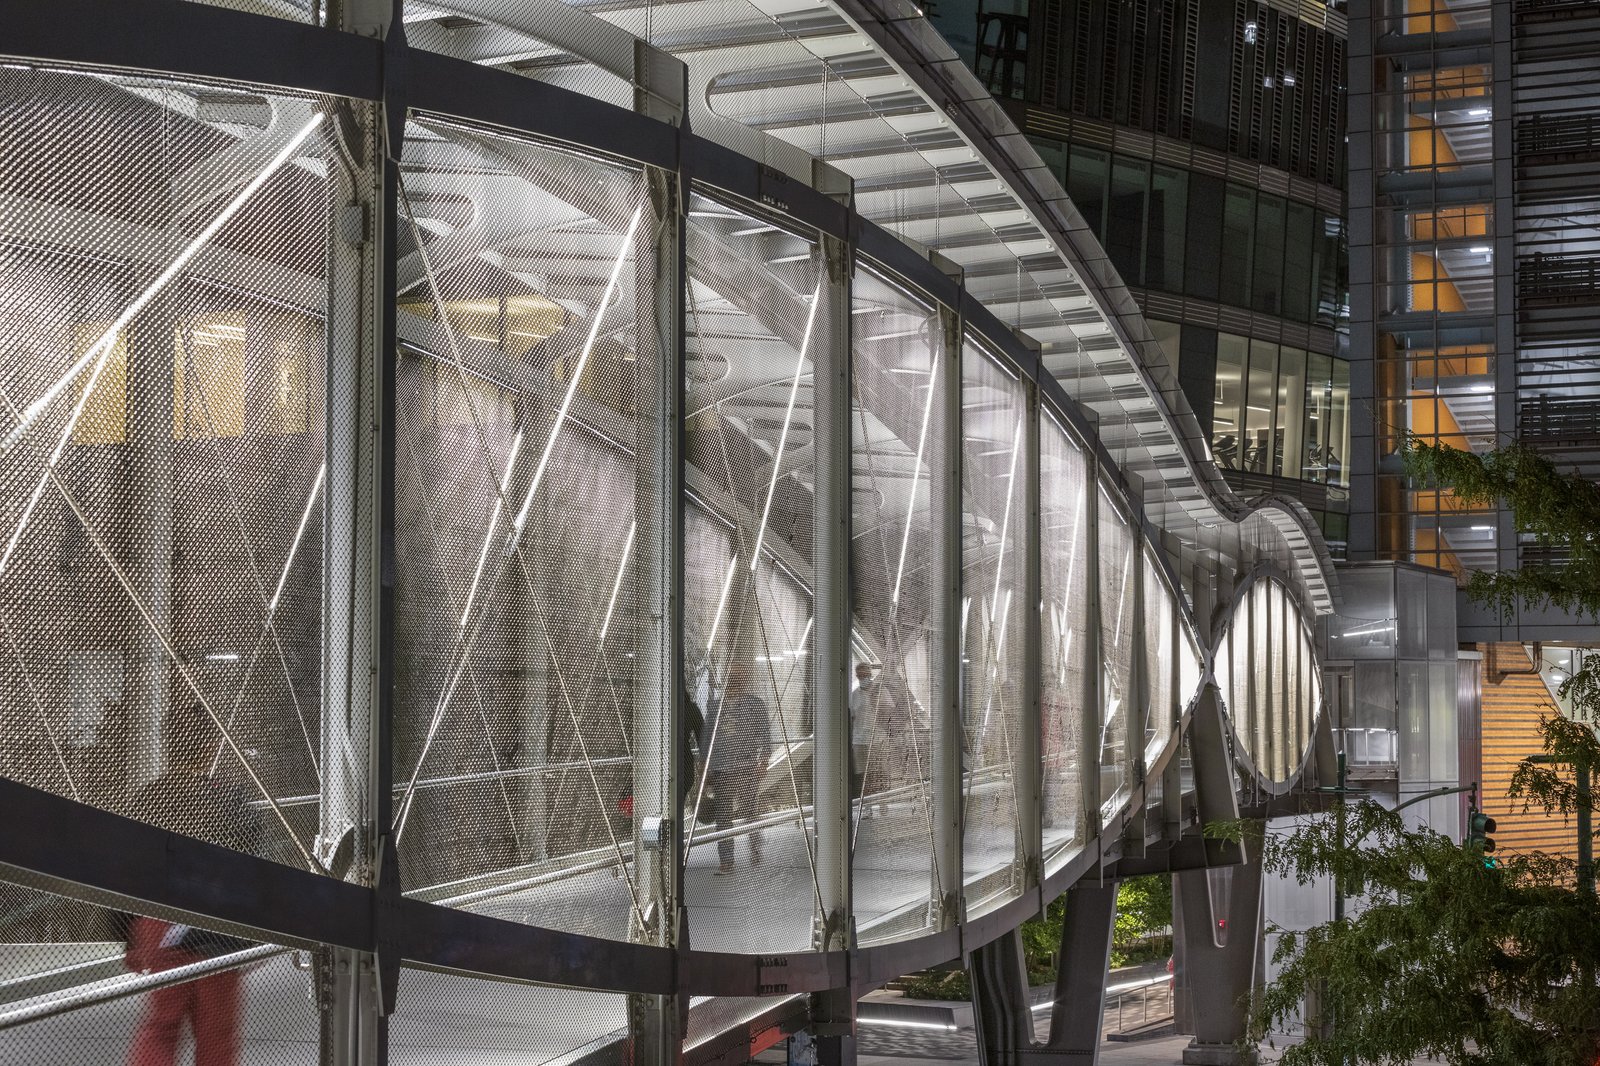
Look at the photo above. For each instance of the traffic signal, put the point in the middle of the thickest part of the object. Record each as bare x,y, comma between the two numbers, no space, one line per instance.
1479,826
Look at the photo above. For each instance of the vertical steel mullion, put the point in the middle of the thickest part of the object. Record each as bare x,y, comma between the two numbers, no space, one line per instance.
947,727
1139,683
1093,708
1028,765
656,1022
831,374
1172,718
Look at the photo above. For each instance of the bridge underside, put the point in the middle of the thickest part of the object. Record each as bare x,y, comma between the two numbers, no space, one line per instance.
502,564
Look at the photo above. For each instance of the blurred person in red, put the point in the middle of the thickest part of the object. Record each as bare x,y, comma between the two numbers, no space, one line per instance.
193,799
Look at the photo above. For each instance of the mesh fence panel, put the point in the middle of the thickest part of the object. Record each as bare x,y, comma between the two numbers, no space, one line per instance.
995,471
896,425
453,1020
523,630
1117,608
84,984
754,293
1063,550
163,247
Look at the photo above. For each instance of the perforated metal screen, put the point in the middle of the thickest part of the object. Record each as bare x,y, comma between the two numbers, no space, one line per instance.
996,469
1117,608
522,637
756,327
1063,553
161,495
897,427
454,1020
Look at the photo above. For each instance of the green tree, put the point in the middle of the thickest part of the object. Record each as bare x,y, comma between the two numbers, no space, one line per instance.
1474,961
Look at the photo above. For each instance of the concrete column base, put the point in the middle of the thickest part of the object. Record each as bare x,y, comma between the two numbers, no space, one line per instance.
1198,1054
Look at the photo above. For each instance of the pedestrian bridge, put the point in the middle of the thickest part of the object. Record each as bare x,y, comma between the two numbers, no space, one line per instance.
456,467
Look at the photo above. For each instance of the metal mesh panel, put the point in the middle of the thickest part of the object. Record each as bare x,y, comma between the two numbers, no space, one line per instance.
294,10
444,1019
81,984
523,637
754,328
163,247
1063,549
895,573
1189,667
1239,678
1261,695
1117,609
711,1017
1158,652
995,472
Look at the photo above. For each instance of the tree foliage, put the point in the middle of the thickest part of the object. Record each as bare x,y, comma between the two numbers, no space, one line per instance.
1477,963
1448,957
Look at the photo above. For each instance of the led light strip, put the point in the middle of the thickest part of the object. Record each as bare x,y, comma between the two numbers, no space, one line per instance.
916,472
305,518
100,351
577,371
722,601
788,417
494,522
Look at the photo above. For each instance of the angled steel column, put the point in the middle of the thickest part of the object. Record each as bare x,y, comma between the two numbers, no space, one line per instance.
1081,962
1001,1009
1219,959
947,724
656,1022
1028,751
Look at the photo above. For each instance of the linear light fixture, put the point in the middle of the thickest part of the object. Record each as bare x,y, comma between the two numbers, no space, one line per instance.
616,588
101,348
577,371
494,523
1005,522
100,351
916,472
722,601
788,418
294,546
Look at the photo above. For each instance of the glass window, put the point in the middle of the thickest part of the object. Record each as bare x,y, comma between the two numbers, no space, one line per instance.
1169,336
1290,414
1259,399
1163,260
1338,446
1086,186
1300,239
1227,421
1124,240
1269,255
1319,395
1204,240
1238,242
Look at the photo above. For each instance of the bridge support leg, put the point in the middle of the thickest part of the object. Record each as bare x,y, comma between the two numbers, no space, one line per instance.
1076,1019
1221,917
1003,1010
1000,1006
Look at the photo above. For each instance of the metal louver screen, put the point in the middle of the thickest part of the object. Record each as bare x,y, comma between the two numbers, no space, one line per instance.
522,647
163,248
897,428
754,329
995,472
